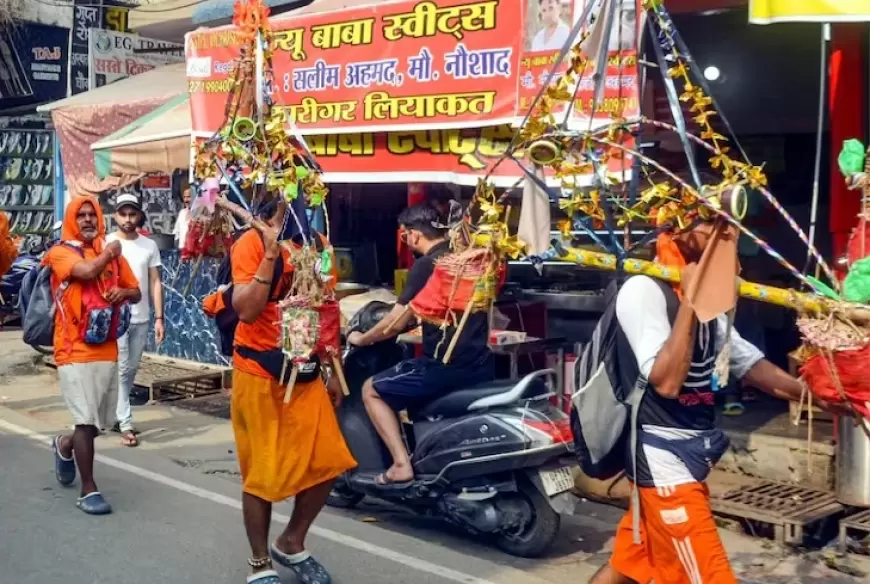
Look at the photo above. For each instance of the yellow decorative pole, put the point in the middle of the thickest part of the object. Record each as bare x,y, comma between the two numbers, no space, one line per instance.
799,301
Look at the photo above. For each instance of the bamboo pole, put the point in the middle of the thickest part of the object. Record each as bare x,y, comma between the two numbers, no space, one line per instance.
458,331
799,301
339,372
288,392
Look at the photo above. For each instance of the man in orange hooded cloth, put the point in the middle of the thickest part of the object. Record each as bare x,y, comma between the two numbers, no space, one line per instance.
92,285
8,247
679,356
285,450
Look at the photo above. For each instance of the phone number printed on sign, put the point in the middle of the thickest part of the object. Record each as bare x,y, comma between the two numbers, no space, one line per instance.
413,64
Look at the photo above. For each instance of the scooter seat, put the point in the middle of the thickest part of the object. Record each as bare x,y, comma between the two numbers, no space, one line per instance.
485,395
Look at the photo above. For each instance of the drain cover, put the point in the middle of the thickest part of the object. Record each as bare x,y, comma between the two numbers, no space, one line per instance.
788,508
849,525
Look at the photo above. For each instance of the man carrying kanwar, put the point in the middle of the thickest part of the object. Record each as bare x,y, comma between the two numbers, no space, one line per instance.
285,450
93,287
681,357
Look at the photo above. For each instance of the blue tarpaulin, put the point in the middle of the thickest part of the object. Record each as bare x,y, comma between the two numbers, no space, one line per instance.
208,12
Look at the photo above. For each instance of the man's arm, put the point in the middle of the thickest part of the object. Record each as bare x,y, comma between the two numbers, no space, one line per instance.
663,352
772,380
399,317
91,269
128,285
671,367
396,320
253,261
156,288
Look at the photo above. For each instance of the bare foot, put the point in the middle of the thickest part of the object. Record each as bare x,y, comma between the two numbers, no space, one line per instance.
288,545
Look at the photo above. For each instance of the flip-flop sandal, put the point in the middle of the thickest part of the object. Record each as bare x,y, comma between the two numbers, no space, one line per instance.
117,429
94,504
264,577
64,468
382,480
307,569
733,409
129,439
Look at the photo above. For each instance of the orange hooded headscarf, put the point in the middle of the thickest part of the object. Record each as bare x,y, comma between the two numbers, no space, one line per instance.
70,230
8,245
668,254
713,291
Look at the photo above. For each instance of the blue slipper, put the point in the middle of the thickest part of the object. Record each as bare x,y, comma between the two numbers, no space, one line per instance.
64,468
94,504
264,577
307,569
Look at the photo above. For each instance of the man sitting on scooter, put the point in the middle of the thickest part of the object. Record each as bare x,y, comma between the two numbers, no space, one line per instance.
415,382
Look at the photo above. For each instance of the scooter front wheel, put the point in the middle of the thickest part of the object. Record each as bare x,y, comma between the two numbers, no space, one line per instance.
534,523
342,497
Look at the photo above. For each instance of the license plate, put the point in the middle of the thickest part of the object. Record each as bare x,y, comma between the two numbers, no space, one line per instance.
557,481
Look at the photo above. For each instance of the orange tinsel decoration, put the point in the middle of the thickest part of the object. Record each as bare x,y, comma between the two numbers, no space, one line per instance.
250,16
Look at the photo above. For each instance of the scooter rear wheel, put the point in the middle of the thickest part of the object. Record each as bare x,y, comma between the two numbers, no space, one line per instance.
533,536
341,497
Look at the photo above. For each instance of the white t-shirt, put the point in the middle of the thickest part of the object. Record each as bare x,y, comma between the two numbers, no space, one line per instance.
181,225
556,41
641,309
142,254
642,312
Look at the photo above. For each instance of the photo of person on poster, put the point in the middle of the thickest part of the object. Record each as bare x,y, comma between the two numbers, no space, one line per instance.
550,21
551,26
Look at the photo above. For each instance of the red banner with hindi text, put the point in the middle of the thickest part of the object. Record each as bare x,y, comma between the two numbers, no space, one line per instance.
414,64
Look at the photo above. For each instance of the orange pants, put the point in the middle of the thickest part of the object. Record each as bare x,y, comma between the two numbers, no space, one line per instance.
679,540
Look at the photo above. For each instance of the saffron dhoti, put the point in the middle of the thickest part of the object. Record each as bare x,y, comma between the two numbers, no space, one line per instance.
284,449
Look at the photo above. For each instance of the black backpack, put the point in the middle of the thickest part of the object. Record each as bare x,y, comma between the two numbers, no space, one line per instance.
609,387
227,319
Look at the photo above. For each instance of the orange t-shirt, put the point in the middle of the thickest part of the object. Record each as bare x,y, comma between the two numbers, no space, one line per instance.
263,334
68,348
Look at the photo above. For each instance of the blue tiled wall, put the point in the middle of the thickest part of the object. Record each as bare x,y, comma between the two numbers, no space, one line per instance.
190,334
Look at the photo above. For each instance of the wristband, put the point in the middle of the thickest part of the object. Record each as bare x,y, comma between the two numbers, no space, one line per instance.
262,280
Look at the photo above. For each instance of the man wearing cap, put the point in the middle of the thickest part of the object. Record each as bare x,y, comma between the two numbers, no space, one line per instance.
144,259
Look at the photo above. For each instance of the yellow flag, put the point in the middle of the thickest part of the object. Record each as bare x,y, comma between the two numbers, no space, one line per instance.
770,11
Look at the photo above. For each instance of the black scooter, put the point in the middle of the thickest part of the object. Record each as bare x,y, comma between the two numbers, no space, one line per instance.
495,459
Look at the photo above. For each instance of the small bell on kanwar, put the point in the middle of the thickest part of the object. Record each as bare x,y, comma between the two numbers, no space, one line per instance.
544,152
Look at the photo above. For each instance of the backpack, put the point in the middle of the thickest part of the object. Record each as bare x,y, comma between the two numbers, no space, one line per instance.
610,391
226,318
37,304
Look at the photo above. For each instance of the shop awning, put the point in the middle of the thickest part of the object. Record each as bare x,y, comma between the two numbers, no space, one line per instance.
89,117
772,11
157,142
161,83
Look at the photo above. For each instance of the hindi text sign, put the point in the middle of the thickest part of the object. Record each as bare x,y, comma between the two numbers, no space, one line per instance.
416,64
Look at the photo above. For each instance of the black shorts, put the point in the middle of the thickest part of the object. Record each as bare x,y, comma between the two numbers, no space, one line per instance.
413,383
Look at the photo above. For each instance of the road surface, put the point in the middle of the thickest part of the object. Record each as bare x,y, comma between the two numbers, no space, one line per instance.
175,525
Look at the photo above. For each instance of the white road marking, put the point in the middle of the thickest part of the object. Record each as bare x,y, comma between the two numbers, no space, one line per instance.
334,536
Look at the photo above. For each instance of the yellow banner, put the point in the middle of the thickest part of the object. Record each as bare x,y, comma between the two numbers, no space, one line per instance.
769,11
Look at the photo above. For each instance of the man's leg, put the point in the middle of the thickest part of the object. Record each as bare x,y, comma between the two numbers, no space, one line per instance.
629,563
130,349
90,391
607,575
386,422
257,514
81,443
306,508
684,538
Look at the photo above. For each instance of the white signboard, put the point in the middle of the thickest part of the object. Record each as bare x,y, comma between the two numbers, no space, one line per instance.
117,55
